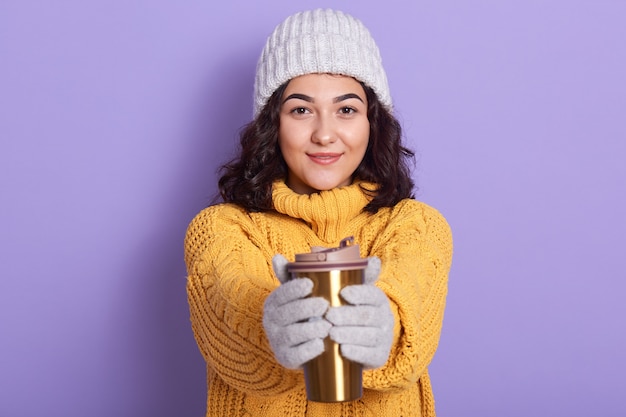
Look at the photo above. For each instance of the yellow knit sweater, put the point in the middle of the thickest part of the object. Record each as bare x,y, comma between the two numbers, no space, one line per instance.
228,253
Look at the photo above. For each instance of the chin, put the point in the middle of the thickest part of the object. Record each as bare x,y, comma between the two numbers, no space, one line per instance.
327,187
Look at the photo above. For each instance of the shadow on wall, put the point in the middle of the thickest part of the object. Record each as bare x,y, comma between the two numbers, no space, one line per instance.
171,368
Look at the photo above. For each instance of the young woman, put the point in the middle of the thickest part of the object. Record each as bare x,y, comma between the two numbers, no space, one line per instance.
322,160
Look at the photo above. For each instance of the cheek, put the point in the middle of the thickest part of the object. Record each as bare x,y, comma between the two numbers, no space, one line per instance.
282,143
281,137
285,135
363,137
286,147
291,137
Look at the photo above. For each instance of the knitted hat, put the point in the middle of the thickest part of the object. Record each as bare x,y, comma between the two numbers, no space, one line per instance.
319,41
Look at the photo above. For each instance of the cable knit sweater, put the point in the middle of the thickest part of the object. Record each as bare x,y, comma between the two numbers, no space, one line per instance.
228,253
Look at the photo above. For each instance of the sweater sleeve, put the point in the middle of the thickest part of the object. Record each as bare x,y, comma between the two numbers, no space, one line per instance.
229,277
416,253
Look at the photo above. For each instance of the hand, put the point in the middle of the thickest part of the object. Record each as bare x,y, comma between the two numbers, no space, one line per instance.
363,329
293,323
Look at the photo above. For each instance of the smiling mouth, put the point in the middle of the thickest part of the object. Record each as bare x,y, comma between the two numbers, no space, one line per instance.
324,158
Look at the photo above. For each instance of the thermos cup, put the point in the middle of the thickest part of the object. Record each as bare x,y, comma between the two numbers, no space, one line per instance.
330,377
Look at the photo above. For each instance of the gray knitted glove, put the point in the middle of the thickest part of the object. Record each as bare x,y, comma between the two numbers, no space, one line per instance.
364,329
293,323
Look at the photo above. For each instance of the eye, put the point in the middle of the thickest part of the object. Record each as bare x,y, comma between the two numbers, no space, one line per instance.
347,110
299,110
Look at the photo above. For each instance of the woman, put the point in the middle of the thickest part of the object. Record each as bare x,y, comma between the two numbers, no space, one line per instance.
322,160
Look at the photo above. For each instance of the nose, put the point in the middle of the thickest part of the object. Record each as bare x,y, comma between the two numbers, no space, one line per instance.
324,131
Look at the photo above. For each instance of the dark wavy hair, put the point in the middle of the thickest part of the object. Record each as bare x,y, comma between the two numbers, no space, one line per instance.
247,179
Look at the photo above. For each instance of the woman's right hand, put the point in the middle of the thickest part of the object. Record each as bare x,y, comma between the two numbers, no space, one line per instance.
293,321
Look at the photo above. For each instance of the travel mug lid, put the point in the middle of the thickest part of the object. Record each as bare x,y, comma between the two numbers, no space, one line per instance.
346,257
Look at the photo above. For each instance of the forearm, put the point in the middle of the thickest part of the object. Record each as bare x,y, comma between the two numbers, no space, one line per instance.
233,342
229,279
416,258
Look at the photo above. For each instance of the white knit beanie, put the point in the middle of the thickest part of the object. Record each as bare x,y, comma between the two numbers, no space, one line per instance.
319,41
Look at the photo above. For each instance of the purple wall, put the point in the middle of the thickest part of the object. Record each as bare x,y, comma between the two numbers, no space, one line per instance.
114,116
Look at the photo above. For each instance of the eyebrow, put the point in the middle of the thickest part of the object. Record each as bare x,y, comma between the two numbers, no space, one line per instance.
311,100
299,97
346,97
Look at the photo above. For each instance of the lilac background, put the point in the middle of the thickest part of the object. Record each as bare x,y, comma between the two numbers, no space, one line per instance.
115,114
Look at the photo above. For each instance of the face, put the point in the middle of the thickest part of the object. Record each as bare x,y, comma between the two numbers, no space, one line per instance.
324,131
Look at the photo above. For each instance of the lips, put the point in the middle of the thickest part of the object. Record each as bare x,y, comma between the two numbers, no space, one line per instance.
325,158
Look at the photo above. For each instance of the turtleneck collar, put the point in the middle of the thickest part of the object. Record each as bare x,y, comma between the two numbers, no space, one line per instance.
327,212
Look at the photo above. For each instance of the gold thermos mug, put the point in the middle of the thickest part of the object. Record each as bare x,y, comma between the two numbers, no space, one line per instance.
330,377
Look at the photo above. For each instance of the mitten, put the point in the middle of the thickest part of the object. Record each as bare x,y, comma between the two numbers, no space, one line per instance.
363,329
293,321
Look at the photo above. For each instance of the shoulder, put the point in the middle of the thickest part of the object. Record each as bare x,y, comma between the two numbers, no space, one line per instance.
416,221
418,214
220,213
215,220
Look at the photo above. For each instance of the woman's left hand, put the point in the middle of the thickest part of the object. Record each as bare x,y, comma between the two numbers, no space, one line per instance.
363,329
